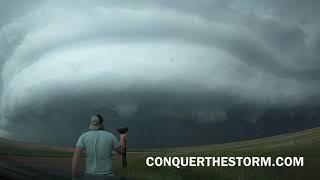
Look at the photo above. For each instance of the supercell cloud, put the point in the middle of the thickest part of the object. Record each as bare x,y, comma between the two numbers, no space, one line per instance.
167,67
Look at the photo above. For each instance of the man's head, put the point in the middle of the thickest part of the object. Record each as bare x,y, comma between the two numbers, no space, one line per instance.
96,122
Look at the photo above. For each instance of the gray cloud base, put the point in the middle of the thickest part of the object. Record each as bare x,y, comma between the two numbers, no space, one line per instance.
139,63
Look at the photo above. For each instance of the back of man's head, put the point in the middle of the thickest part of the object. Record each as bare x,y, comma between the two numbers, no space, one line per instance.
96,122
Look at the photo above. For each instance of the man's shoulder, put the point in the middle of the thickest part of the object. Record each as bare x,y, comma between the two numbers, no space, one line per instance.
106,133
87,133
91,133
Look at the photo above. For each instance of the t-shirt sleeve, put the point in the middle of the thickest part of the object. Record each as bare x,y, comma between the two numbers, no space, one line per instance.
80,142
115,142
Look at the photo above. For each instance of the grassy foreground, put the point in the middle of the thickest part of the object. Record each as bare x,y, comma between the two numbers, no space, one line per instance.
304,143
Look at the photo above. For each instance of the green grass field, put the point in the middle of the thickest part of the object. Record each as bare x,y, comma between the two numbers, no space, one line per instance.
304,143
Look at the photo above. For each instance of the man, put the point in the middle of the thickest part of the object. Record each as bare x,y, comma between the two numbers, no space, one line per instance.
98,145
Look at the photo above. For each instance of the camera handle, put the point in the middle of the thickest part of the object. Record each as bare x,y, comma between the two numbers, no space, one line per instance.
124,155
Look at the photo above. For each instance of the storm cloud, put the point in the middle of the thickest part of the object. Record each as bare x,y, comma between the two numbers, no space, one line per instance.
167,67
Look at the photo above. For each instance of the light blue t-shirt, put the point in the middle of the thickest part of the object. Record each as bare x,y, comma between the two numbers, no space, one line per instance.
98,146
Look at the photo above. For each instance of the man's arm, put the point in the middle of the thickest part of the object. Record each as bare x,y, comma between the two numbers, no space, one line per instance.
75,161
122,146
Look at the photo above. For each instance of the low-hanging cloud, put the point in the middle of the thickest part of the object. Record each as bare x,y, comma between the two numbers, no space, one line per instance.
62,62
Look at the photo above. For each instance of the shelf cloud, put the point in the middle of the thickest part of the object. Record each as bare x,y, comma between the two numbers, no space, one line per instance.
143,62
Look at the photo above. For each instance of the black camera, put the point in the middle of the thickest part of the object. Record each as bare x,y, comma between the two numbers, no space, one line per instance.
122,130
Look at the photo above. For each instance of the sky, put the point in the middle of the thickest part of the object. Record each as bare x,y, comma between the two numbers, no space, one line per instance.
170,70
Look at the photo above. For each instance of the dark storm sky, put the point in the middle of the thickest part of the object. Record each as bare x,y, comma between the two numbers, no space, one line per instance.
157,66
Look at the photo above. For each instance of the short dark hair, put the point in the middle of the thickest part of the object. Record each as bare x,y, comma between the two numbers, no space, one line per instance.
100,117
